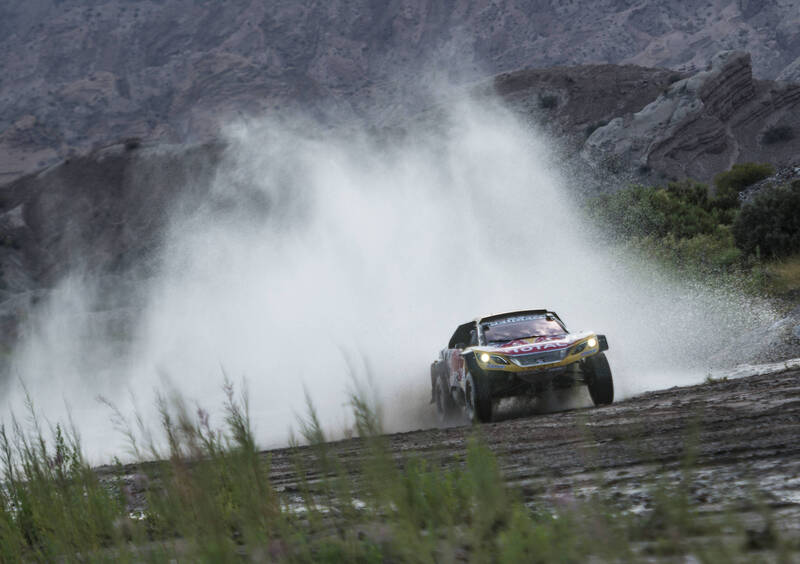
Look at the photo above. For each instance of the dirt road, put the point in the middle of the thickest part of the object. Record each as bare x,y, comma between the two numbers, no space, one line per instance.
741,437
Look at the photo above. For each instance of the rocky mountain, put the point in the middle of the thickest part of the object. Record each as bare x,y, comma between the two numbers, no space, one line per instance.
102,214
653,125
705,123
108,107
623,122
81,74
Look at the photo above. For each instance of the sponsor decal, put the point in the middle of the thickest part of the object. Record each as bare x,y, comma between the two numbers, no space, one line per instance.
457,365
540,344
513,320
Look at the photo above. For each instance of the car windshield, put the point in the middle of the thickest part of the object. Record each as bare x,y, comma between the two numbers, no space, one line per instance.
520,327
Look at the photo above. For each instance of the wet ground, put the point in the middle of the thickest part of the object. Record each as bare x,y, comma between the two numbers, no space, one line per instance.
739,436
736,438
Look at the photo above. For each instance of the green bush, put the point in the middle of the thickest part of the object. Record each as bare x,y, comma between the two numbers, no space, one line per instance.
698,235
679,210
51,501
729,184
706,253
679,225
691,192
769,225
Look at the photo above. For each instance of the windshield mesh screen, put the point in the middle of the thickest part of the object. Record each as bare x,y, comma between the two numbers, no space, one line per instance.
520,327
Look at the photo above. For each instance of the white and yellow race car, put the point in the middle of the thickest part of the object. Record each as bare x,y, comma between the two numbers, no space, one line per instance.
521,353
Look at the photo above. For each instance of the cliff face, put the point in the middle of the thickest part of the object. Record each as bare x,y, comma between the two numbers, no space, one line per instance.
102,213
632,123
705,123
78,74
572,102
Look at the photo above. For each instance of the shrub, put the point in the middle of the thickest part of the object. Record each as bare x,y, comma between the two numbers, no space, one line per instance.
640,211
769,225
691,192
677,225
706,253
778,134
729,184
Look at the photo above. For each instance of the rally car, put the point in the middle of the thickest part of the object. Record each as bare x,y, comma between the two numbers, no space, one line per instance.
521,353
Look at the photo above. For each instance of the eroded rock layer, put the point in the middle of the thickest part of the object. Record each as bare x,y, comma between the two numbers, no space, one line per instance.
703,124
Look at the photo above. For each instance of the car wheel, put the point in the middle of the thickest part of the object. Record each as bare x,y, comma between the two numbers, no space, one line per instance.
477,398
445,406
599,380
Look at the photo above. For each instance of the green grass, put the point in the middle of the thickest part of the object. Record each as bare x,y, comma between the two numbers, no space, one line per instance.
784,275
210,499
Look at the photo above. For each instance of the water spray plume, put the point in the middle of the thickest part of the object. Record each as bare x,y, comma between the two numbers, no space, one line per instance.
318,240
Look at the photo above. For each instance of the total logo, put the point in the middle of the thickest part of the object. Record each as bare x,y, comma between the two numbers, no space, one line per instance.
536,347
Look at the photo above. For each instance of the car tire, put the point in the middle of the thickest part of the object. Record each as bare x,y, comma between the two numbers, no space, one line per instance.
445,406
477,398
599,379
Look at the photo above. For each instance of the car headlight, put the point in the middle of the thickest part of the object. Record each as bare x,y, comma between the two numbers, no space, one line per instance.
592,343
495,359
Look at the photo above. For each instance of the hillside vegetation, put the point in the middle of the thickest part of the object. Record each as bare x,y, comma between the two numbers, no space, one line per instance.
703,230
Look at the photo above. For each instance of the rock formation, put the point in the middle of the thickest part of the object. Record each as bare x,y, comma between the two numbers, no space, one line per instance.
634,124
705,123
101,213
78,75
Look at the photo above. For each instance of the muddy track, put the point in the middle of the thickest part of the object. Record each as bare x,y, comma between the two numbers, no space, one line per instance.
741,439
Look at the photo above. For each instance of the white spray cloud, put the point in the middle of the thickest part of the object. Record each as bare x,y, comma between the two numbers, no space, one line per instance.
321,245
